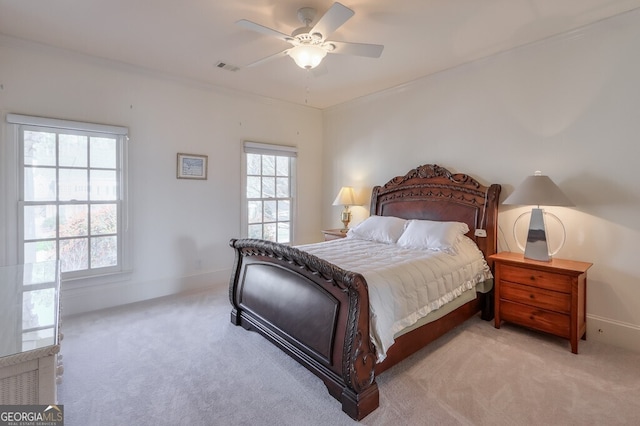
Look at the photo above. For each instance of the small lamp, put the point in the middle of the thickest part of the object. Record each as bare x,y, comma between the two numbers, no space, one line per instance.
537,190
345,198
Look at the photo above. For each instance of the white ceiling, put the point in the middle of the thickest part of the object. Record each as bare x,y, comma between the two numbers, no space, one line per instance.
187,38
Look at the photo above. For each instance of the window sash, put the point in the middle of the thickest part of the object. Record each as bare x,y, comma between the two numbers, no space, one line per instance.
118,199
277,220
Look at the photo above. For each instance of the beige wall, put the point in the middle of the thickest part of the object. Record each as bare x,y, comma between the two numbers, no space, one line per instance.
181,228
568,106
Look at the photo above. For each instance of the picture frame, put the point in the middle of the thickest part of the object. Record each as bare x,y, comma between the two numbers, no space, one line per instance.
192,166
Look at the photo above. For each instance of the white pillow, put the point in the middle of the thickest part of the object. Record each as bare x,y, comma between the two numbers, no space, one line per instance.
383,229
432,235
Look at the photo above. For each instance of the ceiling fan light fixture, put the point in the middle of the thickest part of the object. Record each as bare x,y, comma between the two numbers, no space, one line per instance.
309,44
307,56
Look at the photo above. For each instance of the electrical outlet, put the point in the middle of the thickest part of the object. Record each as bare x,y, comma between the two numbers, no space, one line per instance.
481,233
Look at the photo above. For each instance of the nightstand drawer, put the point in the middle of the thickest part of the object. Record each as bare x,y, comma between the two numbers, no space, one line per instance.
541,279
537,297
539,319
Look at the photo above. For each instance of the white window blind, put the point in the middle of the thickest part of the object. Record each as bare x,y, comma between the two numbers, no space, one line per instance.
270,149
65,124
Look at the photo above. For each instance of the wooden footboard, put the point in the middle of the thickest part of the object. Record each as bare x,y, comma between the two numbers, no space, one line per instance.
313,310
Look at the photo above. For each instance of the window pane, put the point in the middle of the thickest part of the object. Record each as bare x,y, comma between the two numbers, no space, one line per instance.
103,152
269,211
104,185
254,208
63,170
268,165
253,164
104,251
39,251
269,232
255,231
253,187
284,235
73,151
282,187
74,220
74,254
73,184
39,148
39,222
284,211
104,219
39,184
282,166
268,187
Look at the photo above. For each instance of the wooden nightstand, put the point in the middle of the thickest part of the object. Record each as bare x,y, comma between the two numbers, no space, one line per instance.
333,234
545,296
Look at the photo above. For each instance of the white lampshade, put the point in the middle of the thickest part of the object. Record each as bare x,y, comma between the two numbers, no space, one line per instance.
537,190
307,56
346,197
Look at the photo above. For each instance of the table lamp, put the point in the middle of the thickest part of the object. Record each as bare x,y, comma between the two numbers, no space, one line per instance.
537,190
345,198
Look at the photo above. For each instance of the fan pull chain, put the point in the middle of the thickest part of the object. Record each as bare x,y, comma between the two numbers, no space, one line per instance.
306,89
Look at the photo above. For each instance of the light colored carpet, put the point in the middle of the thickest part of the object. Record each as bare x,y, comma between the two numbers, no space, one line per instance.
179,361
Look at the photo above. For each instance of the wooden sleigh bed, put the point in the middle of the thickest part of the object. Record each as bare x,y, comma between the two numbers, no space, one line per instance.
318,313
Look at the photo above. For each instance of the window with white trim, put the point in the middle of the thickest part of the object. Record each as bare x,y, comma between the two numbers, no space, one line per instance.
269,191
72,201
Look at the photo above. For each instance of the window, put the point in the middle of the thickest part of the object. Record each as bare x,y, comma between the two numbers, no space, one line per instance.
269,191
72,195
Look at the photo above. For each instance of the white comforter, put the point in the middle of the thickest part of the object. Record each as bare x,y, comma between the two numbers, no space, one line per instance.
404,284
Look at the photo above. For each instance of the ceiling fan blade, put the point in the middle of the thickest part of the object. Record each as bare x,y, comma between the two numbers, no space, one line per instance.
337,15
357,49
263,30
267,59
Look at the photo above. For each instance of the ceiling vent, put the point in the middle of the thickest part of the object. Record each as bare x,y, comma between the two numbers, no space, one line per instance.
227,67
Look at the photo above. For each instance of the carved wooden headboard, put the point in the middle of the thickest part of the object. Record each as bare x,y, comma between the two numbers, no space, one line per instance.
434,193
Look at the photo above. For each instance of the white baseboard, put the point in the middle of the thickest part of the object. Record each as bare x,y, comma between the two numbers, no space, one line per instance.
81,299
613,332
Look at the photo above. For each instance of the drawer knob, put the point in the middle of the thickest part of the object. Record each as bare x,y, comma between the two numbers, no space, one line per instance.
531,296
532,317
532,277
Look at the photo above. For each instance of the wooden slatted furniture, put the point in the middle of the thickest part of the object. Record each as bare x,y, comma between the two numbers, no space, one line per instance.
30,366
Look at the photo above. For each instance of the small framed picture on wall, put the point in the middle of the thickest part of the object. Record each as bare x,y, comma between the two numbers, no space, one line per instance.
192,166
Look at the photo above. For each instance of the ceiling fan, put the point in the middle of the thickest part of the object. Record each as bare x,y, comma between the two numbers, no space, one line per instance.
310,44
